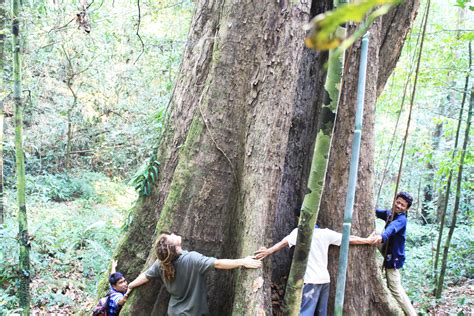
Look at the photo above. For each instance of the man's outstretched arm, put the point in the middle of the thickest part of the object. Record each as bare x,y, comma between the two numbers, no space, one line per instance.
356,240
139,281
263,252
247,262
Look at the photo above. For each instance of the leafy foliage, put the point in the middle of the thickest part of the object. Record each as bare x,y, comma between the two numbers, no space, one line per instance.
59,187
463,4
100,105
444,65
420,241
323,27
73,240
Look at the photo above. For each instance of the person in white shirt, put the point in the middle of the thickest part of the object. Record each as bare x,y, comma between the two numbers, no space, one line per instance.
316,278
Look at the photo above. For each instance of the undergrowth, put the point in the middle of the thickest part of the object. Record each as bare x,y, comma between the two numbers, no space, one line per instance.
418,273
75,220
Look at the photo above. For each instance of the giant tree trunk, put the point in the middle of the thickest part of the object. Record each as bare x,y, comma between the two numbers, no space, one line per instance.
237,148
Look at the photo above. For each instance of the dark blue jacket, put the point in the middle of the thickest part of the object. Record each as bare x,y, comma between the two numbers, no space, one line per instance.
113,306
395,233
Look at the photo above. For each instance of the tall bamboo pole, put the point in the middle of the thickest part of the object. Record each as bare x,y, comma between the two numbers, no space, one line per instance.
439,287
346,230
311,202
3,12
23,237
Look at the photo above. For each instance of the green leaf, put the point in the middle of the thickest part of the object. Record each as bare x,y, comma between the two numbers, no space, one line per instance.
462,3
323,35
468,36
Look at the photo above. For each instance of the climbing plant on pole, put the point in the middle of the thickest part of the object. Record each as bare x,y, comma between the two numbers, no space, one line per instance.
23,237
310,207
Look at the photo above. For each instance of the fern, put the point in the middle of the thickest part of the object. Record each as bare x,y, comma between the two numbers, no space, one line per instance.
146,176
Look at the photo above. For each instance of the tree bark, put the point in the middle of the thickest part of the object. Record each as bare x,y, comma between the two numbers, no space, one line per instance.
235,150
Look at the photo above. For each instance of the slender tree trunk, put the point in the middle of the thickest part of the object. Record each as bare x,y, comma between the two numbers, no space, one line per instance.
23,237
429,189
239,135
450,177
442,273
441,192
3,13
69,82
69,139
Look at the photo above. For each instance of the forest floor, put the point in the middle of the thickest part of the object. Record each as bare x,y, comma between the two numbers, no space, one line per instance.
457,299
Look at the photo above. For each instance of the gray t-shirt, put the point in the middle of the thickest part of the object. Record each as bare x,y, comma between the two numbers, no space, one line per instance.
188,289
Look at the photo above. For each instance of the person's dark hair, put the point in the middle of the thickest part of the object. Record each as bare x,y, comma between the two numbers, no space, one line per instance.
407,197
166,253
115,277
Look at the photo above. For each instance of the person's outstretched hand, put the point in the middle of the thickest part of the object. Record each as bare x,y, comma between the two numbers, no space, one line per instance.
262,253
375,239
251,263
114,266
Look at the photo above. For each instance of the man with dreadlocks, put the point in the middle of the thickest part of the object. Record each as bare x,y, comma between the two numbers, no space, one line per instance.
183,272
393,247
